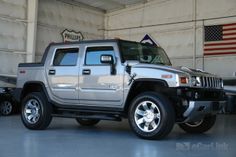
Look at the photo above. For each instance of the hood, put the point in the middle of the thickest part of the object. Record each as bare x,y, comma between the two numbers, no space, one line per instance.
179,69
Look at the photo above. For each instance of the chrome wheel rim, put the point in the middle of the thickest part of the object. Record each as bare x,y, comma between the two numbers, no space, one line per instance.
32,111
147,116
194,124
6,108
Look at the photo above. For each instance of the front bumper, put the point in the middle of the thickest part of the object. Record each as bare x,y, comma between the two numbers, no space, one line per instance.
198,109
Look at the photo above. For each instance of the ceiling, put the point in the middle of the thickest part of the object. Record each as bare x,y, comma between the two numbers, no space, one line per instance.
108,5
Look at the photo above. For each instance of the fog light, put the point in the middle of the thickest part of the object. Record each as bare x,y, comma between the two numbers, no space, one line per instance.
196,95
184,102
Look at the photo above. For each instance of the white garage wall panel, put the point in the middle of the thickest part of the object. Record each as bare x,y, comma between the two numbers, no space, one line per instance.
13,9
224,66
170,22
157,11
173,24
162,20
55,16
13,25
215,8
179,47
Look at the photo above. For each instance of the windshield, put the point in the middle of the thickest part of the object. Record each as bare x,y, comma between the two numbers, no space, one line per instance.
144,53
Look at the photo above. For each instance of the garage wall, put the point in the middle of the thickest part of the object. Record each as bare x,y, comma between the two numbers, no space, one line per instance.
54,16
173,23
177,25
13,25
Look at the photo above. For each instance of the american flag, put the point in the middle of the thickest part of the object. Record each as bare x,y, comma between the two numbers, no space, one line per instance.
220,39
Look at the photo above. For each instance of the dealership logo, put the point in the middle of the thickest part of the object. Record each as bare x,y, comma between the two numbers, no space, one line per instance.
71,36
188,146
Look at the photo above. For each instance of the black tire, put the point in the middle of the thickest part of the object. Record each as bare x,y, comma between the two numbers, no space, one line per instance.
44,111
7,106
199,127
166,112
87,122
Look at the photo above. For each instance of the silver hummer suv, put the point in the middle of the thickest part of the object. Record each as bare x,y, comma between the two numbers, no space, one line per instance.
114,79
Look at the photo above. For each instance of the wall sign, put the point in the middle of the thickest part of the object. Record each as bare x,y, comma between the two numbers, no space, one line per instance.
71,36
148,39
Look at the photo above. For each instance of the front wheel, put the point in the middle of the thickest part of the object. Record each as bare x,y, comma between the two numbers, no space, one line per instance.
151,116
200,126
36,111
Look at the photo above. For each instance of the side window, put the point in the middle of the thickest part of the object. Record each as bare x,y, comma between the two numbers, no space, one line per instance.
66,57
93,54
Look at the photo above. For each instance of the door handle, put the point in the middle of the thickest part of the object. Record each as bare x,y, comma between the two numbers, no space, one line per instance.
86,72
52,72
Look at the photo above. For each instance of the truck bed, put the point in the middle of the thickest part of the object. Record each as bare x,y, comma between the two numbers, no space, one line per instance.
30,64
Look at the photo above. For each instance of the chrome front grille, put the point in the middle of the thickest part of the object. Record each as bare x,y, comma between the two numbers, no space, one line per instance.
210,82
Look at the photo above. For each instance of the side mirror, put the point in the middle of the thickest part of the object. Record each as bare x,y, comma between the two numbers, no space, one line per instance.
107,59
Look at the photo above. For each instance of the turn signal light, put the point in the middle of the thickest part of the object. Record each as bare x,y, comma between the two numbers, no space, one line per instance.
183,80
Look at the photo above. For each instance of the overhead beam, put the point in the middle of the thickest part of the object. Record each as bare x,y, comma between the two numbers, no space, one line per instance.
80,4
123,6
120,5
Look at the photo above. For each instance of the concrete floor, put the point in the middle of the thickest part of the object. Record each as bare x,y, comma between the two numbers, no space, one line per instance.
111,139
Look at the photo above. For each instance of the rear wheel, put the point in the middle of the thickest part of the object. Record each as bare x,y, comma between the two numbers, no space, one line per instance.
151,116
200,126
36,111
6,107
87,122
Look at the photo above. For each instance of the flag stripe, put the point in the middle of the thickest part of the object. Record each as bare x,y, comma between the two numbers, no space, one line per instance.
226,34
215,51
216,44
212,49
222,41
229,29
220,46
234,38
219,53
232,31
231,24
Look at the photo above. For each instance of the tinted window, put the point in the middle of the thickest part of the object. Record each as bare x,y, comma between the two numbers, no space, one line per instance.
93,54
144,53
66,57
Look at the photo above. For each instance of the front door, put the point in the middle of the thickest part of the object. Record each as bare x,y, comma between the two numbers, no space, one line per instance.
98,84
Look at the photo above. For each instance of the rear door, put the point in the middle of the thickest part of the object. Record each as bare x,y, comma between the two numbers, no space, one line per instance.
98,86
63,75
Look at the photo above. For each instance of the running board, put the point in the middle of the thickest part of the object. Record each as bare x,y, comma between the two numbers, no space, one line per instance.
82,110
100,117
